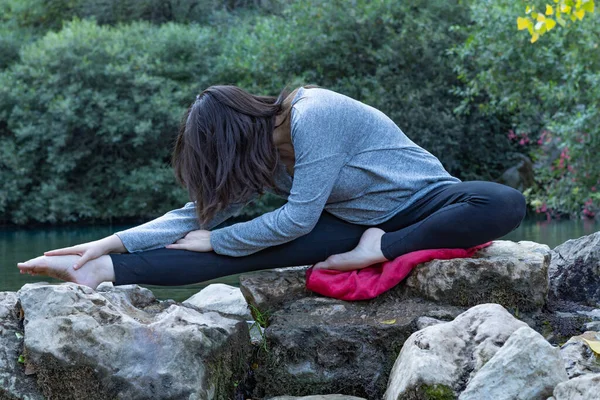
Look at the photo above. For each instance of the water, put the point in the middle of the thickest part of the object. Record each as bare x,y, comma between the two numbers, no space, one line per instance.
17,245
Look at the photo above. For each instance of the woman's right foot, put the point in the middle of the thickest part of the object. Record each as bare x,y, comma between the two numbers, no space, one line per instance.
91,274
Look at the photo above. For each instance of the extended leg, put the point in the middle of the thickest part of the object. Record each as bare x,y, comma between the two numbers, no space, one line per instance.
180,267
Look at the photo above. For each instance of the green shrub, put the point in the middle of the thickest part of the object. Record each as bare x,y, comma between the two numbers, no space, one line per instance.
549,89
88,113
45,15
88,120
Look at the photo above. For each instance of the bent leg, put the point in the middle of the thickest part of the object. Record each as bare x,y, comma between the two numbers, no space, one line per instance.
462,215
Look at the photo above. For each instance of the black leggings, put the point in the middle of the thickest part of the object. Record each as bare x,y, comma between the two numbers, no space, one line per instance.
459,215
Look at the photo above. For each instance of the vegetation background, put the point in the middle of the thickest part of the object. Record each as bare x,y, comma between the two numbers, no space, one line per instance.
92,92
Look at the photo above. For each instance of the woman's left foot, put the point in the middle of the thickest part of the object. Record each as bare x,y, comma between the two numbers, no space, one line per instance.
91,274
366,253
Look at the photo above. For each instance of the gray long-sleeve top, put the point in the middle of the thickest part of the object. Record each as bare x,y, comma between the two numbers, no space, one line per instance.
351,160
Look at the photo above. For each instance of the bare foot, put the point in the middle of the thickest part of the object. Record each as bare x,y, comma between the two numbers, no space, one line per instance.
92,274
366,253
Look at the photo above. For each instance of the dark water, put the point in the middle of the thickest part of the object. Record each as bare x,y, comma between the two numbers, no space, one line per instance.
17,245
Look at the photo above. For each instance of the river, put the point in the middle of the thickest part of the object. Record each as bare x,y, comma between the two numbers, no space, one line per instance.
17,245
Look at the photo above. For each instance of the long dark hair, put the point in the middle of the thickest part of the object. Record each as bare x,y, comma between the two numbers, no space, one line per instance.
224,152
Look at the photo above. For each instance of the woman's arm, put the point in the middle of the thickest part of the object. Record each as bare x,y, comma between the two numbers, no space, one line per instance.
154,234
169,228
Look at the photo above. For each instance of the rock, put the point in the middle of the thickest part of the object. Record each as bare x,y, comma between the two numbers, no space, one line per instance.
122,343
441,359
526,367
511,274
223,298
318,397
14,383
268,290
574,272
520,176
592,326
561,320
578,358
320,345
585,387
424,322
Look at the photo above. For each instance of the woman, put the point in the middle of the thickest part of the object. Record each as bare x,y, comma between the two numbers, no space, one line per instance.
358,192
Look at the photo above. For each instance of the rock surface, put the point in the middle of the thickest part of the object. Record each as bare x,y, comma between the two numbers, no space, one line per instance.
507,273
442,358
318,397
122,343
574,272
585,387
526,367
578,358
319,345
14,383
225,299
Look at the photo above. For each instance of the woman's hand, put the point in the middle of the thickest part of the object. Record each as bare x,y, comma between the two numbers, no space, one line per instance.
91,250
194,241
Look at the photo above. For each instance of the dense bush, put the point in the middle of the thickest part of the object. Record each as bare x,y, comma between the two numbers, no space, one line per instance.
50,14
550,90
88,117
88,111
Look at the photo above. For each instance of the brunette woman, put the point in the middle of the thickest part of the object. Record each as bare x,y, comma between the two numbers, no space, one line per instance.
358,192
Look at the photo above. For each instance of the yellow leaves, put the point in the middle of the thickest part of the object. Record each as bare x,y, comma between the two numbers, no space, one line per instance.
588,6
389,321
538,23
579,14
523,23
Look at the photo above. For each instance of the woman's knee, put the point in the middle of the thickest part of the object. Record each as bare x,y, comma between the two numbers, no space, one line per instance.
512,205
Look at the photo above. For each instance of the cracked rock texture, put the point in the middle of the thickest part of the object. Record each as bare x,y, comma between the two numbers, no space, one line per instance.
514,275
122,343
444,357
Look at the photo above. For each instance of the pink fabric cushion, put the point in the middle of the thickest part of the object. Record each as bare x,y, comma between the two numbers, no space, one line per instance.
369,282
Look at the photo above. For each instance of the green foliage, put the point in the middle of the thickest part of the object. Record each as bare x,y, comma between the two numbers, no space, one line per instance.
539,20
46,15
262,320
551,93
438,392
88,111
89,116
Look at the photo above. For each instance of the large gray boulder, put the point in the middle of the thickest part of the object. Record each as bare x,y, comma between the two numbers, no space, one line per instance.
121,343
441,359
317,344
507,273
574,272
14,382
526,367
